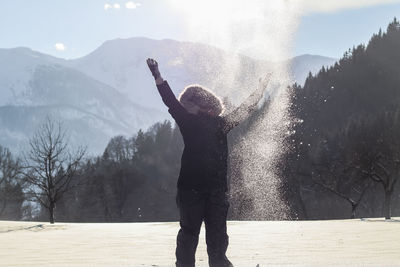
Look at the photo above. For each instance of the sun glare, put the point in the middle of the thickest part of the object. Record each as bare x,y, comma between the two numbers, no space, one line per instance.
238,25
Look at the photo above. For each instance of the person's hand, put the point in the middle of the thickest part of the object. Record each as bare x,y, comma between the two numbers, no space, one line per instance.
153,66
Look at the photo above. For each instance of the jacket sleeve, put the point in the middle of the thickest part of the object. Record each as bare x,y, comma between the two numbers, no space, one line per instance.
242,112
177,111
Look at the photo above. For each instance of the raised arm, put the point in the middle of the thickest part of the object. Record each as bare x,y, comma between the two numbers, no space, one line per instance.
175,108
248,106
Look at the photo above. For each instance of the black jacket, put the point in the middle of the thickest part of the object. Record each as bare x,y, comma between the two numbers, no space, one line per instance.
204,158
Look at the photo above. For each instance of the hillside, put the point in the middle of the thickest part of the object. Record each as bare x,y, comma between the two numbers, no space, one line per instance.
345,148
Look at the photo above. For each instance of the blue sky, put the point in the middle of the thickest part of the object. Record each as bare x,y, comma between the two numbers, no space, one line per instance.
79,27
331,34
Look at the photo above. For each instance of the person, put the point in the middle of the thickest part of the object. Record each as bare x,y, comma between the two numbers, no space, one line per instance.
202,182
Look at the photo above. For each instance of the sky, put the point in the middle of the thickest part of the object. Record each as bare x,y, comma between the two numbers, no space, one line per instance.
72,28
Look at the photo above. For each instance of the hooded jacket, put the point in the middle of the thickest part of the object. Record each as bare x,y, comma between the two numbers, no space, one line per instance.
205,155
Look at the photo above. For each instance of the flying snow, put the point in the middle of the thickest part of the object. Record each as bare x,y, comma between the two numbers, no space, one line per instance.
263,30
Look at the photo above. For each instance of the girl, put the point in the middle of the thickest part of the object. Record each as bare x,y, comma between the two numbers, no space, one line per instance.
202,182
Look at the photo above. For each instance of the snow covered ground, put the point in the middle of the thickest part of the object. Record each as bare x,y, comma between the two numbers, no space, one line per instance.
372,242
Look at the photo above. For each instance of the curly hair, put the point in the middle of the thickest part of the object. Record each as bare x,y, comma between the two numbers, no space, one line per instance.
202,97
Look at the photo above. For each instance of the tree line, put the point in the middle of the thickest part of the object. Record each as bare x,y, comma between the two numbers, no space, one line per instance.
134,179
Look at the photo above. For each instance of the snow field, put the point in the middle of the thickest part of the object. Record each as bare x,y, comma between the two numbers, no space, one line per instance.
372,242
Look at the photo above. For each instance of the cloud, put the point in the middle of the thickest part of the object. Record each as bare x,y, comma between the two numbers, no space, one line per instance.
117,6
332,6
60,47
132,5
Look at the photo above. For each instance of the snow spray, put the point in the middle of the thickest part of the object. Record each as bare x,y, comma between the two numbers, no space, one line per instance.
264,31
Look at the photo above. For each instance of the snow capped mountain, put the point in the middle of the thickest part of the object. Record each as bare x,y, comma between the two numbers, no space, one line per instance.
34,86
121,63
17,66
110,91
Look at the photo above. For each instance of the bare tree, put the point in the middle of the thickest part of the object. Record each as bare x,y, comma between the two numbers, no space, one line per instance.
386,172
9,172
382,166
377,153
353,193
333,168
51,167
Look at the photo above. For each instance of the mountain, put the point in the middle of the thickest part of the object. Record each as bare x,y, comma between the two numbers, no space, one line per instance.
121,64
111,92
302,65
17,65
34,86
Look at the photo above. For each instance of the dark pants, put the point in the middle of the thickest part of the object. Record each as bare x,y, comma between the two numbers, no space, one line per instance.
194,207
